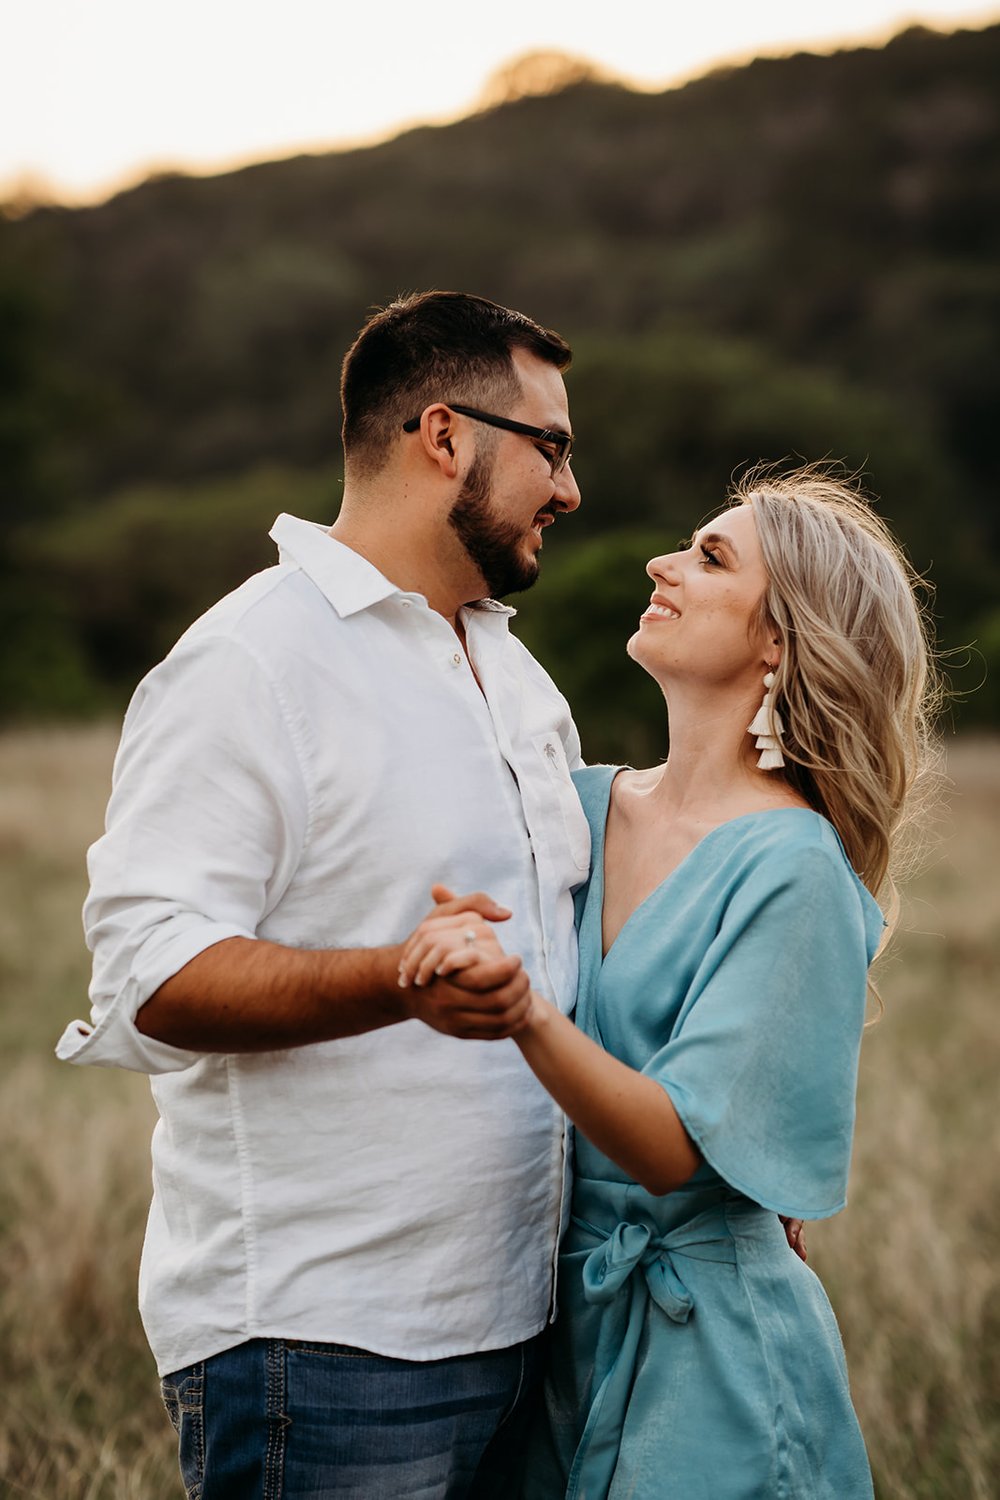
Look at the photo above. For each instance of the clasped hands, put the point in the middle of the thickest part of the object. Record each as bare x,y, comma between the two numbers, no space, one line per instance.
457,977
459,980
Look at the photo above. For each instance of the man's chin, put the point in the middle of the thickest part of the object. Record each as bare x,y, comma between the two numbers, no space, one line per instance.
519,582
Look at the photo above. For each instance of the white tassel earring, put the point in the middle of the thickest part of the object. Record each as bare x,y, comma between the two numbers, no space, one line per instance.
768,728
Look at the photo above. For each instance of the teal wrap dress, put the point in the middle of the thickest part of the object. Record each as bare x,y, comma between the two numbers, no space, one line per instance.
695,1357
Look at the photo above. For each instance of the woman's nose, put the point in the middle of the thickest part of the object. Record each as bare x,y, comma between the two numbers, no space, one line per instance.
664,566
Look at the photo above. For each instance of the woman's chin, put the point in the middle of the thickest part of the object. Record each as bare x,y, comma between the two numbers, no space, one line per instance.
643,652
637,648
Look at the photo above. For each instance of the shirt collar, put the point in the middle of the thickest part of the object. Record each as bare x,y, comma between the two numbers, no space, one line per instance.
348,580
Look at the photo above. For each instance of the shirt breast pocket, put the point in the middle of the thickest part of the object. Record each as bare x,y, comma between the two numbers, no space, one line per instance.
560,794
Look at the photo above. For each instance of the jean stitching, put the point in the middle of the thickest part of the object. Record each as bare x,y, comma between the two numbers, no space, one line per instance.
334,1351
171,1401
190,1393
197,1415
184,1398
277,1418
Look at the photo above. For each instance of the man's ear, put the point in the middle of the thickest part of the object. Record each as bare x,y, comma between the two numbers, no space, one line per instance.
437,437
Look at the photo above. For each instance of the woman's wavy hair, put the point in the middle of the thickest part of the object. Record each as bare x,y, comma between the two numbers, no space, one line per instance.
856,687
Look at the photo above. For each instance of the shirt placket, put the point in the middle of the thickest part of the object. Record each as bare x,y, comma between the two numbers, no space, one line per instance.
484,648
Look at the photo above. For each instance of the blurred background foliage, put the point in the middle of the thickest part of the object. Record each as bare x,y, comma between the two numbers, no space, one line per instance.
796,257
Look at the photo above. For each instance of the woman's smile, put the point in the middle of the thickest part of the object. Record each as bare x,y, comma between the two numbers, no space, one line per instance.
658,610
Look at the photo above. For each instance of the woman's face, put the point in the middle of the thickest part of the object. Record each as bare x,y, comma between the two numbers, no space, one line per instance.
701,623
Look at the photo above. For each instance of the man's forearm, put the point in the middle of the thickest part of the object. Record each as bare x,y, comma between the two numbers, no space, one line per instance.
246,995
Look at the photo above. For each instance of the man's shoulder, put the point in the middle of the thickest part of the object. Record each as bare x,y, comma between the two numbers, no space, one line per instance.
261,613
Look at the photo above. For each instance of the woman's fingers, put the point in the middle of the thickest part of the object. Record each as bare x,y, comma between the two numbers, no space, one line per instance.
445,958
442,936
457,959
437,946
429,938
439,959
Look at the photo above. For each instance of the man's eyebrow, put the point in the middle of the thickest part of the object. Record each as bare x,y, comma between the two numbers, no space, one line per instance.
715,539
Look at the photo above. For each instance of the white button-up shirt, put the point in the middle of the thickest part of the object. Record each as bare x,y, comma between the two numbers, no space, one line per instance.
312,755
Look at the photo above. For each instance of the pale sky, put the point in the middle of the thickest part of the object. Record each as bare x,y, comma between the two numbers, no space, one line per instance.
95,94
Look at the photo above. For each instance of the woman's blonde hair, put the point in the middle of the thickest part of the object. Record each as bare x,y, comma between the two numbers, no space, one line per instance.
856,685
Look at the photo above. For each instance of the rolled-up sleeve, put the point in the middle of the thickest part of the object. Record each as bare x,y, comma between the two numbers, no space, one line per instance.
208,817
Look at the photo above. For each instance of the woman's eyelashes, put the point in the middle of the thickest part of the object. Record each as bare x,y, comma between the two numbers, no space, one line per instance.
709,558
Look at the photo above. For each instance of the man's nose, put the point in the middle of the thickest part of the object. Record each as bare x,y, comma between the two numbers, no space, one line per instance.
567,491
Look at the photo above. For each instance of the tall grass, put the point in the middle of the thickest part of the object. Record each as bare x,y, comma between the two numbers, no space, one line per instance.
911,1266
81,1418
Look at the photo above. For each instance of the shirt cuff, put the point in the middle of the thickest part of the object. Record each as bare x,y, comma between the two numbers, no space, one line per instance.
113,1040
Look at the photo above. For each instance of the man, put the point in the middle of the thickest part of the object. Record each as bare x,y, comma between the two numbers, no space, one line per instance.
358,1188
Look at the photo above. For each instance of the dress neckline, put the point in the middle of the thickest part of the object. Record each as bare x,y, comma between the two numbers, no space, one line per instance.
597,878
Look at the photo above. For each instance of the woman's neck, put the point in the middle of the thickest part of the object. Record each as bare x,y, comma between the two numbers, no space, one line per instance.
711,773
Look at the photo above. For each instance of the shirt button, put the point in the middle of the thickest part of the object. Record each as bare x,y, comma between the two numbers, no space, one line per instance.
457,658
406,603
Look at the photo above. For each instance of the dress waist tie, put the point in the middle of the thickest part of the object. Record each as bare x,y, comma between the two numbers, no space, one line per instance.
609,1266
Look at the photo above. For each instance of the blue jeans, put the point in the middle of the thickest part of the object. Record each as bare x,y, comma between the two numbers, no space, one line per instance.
282,1419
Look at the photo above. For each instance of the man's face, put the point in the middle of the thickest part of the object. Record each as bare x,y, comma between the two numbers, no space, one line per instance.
508,498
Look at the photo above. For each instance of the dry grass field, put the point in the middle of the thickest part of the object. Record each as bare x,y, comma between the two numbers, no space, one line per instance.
912,1266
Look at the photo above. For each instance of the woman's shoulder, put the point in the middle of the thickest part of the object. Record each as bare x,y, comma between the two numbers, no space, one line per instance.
798,848
782,842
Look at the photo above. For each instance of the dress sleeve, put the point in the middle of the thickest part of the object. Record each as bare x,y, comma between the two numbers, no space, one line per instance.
762,1063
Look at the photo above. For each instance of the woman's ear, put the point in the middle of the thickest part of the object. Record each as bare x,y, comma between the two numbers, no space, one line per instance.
765,637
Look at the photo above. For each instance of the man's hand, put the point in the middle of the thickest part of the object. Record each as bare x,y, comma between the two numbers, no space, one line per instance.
795,1235
492,1003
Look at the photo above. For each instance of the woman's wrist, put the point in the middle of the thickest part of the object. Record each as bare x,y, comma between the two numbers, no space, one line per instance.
537,1020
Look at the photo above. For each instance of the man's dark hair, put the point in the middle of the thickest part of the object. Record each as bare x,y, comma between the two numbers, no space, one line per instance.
433,346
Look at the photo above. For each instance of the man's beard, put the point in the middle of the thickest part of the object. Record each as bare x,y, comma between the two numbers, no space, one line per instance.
495,546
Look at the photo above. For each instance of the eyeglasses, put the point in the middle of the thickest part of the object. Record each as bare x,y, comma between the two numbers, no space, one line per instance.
562,442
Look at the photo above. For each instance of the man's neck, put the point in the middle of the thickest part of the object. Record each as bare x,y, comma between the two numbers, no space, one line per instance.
415,560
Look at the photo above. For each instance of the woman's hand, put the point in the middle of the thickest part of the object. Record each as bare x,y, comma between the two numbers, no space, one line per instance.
445,945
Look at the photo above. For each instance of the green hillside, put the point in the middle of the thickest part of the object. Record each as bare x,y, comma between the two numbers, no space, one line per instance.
795,257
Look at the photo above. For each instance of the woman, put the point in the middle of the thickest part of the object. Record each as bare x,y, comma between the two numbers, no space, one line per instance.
725,937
